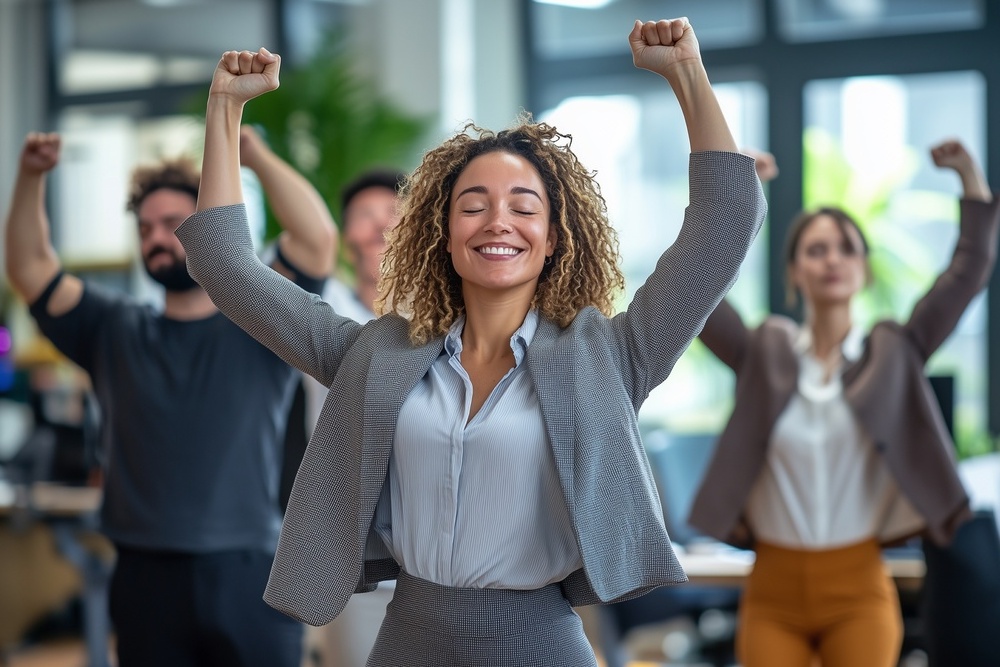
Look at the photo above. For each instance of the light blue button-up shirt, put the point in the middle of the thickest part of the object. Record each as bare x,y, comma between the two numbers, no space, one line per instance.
476,504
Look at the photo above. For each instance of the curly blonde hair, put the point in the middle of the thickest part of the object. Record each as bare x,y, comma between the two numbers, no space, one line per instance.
179,174
418,279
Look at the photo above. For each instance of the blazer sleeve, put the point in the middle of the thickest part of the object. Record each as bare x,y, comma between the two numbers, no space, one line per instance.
937,313
725,335
296,325
725,211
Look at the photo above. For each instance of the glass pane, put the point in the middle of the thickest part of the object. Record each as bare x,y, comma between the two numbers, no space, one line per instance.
92,231
567,28
124,44
819,20
641,162
103,71
866,149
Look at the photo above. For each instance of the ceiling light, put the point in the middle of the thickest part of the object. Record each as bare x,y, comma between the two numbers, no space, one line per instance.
577,4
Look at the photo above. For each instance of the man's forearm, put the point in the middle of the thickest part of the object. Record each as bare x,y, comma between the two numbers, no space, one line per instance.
30,259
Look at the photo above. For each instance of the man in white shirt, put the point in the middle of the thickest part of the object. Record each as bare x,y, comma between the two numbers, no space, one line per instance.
368,211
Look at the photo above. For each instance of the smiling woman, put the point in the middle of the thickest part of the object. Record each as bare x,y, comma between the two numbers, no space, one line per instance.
519,191
836,445
499,234
479,442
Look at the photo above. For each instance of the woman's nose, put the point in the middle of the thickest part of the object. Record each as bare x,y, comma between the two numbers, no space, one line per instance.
499,223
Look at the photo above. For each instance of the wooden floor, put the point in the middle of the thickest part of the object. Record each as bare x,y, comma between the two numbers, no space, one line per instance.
70,653
60,653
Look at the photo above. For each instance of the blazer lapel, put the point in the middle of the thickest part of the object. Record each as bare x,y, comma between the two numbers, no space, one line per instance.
394,371
784,371
552,378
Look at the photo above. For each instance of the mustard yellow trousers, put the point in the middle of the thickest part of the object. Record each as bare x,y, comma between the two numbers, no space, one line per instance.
835,608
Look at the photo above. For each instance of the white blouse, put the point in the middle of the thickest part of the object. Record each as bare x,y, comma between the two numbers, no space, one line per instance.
824,485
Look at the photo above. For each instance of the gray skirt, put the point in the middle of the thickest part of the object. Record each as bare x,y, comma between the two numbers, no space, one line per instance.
429,625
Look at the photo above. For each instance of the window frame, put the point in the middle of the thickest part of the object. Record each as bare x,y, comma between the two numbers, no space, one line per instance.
784,68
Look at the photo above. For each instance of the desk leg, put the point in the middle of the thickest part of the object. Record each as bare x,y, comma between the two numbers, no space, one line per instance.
96,575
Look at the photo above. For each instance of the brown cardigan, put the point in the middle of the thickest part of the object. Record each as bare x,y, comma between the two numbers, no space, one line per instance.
886,389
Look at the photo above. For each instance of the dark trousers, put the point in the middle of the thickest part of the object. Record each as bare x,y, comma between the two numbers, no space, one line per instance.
199,610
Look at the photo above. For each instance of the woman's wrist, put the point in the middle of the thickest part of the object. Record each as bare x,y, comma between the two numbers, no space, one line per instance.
690,84
686,74
223,103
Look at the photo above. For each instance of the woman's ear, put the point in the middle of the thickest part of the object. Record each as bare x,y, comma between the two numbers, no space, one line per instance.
550,244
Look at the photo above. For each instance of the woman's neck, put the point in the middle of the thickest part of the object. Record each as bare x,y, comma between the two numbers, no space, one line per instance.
829,327
489,324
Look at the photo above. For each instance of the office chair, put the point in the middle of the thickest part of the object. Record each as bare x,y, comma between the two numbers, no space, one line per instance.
961,597
678,462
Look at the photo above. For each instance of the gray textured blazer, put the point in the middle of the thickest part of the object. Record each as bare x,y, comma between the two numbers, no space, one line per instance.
885,388
591,378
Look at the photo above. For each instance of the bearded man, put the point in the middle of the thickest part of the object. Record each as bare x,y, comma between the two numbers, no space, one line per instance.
193,412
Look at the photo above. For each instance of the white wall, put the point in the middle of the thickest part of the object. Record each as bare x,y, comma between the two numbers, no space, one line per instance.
456,60
22,89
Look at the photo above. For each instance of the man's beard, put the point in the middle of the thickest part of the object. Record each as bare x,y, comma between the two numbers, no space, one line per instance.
174,277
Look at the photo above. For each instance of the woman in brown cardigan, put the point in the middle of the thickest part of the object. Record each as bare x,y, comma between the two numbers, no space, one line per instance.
836,446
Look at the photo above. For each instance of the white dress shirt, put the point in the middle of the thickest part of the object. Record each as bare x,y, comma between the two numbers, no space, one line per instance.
346,303
824,485
476,503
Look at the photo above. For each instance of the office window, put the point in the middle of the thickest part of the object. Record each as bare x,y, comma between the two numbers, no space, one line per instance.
111,45
825,20
866,149
638,146
91,71
581,28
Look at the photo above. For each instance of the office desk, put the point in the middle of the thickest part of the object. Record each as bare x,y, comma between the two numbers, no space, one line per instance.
50,500
730,568
70,514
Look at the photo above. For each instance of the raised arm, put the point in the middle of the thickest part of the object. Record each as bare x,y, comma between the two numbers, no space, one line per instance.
938,312
31,260
724,333
726,208
297,326
239,77
953,155
309,237
669,48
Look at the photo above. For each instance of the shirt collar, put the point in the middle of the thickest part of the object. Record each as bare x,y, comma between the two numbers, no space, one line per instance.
519,340
851,348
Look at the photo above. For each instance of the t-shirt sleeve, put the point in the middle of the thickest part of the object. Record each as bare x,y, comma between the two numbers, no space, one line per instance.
75,332
306,282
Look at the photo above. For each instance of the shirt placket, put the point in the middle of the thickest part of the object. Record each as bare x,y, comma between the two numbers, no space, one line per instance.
450,486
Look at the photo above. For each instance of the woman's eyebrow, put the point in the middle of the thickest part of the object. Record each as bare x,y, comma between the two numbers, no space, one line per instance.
481,189
521,190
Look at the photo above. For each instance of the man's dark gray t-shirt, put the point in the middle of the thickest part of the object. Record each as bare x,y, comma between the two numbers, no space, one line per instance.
192,422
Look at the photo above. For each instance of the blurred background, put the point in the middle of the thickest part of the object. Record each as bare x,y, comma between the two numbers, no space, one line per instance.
848,94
